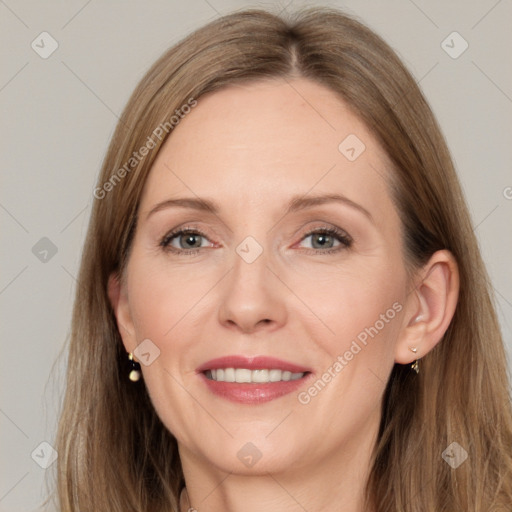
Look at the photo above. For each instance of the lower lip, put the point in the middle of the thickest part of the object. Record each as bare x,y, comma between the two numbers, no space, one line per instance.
253,393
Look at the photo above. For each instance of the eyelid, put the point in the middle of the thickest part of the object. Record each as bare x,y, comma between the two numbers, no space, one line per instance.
345,240
329,229
180,230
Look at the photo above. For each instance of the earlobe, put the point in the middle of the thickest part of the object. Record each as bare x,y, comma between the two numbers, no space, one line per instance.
429,309
119,301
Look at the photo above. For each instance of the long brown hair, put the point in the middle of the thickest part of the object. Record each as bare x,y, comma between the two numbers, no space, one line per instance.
115,454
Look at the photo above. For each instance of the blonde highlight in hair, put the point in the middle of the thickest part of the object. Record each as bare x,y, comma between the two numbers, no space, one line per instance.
116,455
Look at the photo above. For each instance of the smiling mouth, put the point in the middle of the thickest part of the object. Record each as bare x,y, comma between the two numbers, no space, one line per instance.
258,376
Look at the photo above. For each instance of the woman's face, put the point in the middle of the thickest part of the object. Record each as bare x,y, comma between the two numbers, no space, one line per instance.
298,263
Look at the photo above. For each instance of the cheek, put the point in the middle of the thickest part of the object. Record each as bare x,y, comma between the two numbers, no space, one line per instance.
163,296
350,300
162,307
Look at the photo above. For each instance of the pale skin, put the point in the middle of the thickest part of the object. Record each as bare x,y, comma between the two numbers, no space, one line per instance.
250,149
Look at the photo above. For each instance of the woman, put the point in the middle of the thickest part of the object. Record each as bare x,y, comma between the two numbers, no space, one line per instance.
281,300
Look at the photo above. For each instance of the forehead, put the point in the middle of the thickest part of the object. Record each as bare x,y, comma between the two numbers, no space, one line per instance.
261,143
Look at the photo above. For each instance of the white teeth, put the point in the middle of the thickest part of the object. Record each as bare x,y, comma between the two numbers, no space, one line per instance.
275,375
229,375
259,376
243,375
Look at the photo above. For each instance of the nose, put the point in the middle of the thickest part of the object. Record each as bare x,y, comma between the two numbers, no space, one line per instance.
253,298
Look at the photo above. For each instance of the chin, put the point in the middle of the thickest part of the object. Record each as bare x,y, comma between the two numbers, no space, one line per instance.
254,458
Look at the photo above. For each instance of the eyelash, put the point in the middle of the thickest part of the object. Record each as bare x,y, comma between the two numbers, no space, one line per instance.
344,239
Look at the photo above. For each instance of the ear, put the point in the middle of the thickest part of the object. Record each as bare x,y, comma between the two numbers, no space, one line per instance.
119,300
429,307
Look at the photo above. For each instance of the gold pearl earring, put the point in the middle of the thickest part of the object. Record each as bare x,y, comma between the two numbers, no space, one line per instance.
134,374
415,365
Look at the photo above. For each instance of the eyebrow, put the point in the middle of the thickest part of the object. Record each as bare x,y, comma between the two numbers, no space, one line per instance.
297,203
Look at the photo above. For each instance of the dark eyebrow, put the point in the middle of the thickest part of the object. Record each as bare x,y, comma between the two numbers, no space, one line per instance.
296,203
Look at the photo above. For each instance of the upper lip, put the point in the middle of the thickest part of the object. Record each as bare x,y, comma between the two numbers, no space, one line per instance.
251,363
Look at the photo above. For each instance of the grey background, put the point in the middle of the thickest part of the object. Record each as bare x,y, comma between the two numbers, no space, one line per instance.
59,113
